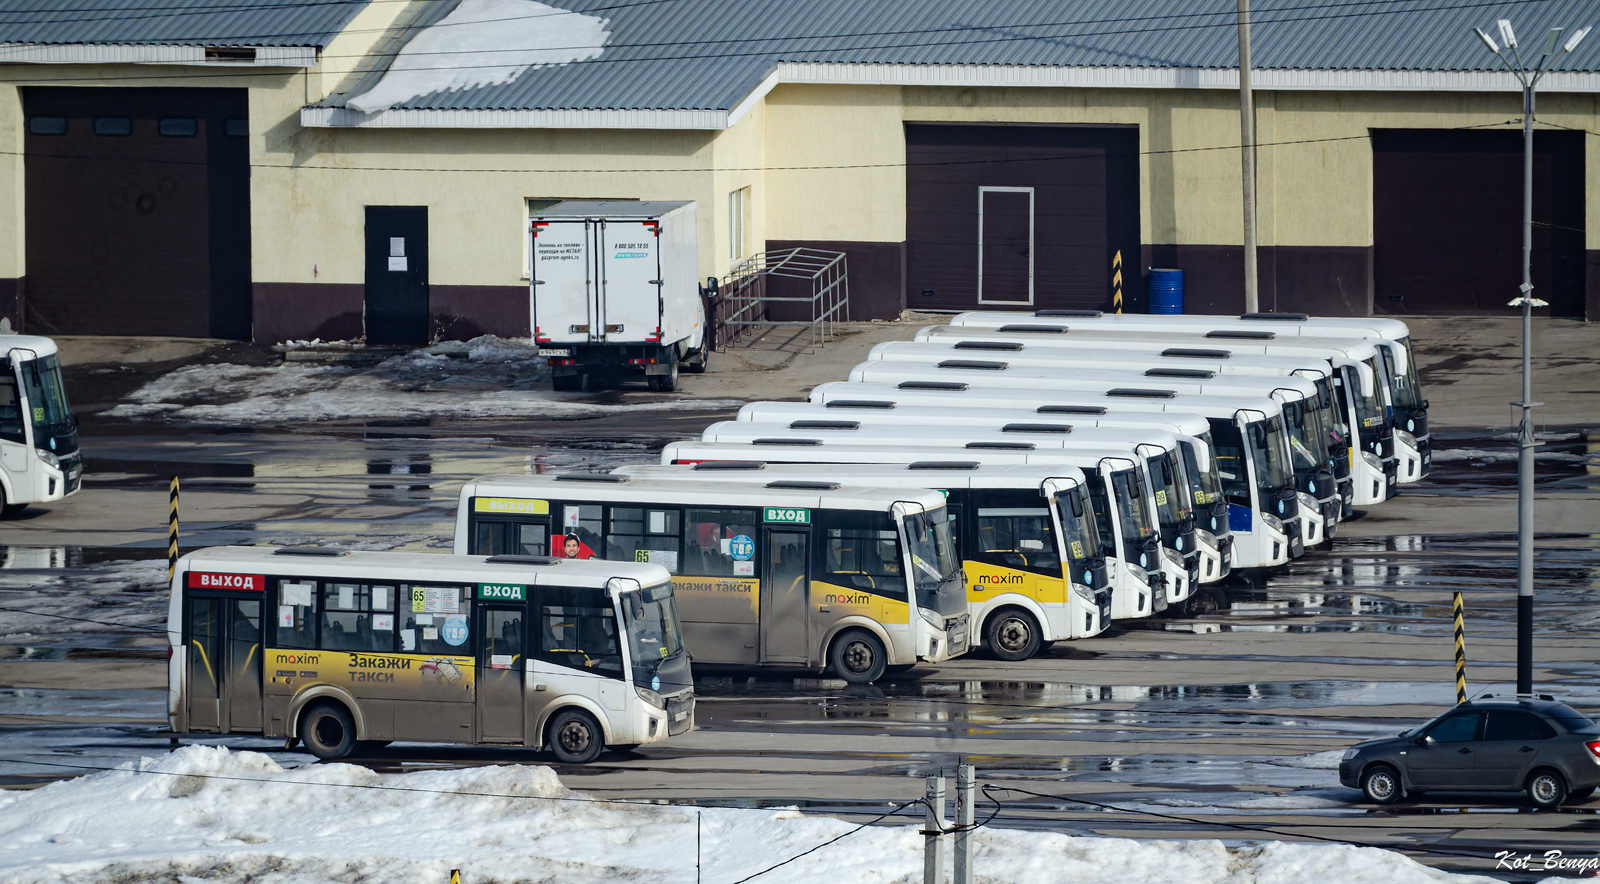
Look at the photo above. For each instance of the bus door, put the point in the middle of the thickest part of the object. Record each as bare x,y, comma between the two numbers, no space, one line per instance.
785,581
501,661
224,663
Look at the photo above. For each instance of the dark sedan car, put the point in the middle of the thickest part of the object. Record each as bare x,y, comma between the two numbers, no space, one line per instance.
1514,744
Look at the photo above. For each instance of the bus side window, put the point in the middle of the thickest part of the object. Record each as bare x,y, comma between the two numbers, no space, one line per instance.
10,409
584,521
435,620
719,542
644,535
297,614
358,617
578,636
860,551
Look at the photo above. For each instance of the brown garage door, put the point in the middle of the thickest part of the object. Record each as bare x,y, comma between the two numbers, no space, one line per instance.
1018,217
1447,221
137,212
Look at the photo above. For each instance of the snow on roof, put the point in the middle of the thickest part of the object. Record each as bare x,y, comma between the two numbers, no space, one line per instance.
484,43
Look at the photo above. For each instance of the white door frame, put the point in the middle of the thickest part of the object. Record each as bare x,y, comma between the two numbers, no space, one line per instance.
991,189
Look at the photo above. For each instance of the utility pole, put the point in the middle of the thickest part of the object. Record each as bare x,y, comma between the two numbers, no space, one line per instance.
1247,153
1529,78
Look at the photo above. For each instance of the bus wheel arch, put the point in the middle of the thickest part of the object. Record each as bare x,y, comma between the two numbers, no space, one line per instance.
7,508
328,730
325,694
583,704
1012,632
858,655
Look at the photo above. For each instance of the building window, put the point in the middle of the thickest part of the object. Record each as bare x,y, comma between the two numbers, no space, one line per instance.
178,127
236,127
47,125
739,224
113,126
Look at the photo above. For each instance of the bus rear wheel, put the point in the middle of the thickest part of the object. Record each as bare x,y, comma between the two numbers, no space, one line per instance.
575,737
858,657
1012,634
328,731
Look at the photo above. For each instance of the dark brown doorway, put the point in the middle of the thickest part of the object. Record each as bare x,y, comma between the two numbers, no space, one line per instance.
1005,245
397,275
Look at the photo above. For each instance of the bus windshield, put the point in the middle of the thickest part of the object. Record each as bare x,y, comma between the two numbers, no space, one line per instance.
1303,435
1209,484
933,557
1267,452
1324,414
1168,486
1078,536
650,618
1369,407
1406,394
46,396
1132,510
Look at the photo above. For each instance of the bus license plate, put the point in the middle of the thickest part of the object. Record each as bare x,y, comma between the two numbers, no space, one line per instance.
679,716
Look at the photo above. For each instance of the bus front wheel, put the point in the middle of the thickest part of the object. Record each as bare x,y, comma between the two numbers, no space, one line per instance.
328,731
7,508
858,657
1012,634
575,737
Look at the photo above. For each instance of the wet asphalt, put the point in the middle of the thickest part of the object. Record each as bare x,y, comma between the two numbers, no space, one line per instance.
1223,724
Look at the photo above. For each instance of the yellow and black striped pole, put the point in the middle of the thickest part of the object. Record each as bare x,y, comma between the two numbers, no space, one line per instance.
1116,282
1461,654
172,528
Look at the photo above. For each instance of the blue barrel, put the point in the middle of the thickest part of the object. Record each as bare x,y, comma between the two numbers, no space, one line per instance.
1166,291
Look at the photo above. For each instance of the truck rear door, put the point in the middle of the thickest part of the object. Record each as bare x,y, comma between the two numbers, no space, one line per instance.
630,282
563,289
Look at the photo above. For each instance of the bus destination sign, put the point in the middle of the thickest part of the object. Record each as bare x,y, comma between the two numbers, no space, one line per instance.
247,582
502,592
786,515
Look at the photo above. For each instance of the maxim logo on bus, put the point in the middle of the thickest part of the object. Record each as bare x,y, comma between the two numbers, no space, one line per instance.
999,578
250,582
849,598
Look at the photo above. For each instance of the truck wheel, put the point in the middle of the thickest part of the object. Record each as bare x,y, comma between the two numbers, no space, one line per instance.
566,382
697,365
666,383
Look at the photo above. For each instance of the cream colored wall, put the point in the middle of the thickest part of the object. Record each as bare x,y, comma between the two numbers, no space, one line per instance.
854,135
348,55
12,127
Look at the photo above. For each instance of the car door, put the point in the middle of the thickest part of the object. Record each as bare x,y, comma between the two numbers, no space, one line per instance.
1445,754
1513,740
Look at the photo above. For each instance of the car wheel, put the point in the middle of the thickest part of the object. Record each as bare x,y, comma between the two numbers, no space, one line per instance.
328,731
575,737
858,657
1381,783
1012,634
1546,788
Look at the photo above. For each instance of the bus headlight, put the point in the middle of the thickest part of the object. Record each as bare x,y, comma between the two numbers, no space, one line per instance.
1372,461
1404,438
1272,522
1084,592
651,697
934,618
49,458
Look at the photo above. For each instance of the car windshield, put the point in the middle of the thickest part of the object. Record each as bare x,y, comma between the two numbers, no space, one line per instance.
933,553
1078,535
1132,509
1207,484
1268,451
650,617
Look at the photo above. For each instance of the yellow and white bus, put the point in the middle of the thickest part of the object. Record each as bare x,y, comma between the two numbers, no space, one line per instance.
1028,539
790,574
341,649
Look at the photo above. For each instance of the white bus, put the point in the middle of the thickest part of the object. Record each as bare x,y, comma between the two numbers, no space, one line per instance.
1027,536
1317,470
1191,432
852,580
1401,394
1124,507
39,459
363,648
1156,450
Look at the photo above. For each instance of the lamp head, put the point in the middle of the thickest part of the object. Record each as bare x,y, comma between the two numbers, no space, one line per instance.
1487,40
1552,41
1507,36
1575,39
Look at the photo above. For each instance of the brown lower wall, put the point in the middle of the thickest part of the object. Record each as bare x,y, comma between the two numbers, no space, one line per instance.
876,274
463,312
300,311
11,302
1591,285
1323,280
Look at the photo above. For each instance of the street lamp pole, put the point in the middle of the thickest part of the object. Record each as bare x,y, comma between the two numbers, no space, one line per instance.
1529,78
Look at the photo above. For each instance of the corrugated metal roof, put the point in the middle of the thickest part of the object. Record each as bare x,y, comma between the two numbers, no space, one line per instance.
708,54
207,22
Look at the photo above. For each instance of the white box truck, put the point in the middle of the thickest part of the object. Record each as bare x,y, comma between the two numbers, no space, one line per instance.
615,290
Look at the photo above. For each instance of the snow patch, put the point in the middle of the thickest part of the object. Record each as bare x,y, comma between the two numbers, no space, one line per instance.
484,43
208,813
